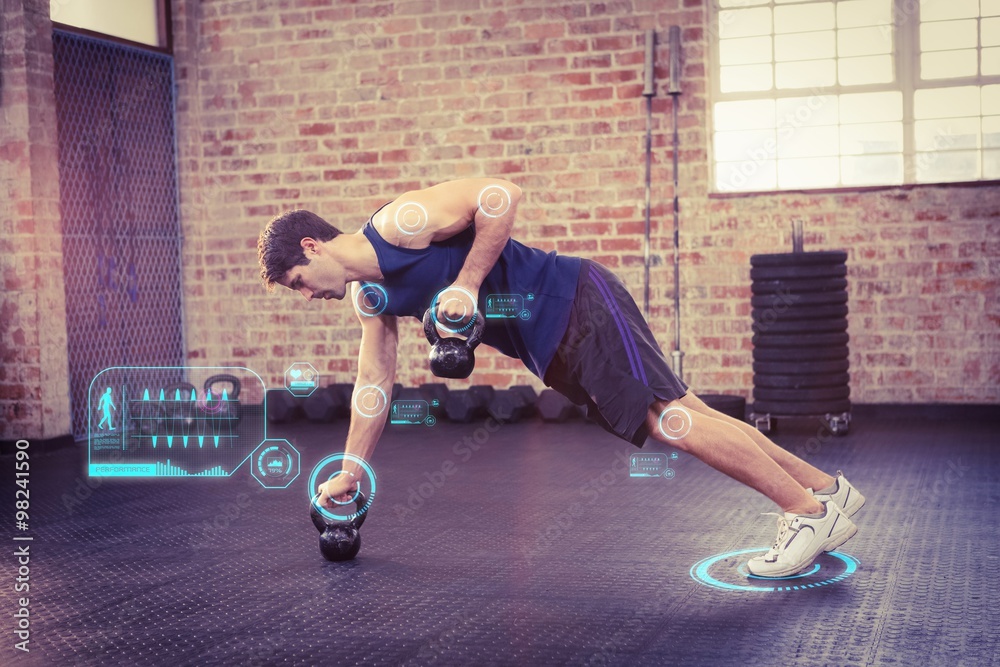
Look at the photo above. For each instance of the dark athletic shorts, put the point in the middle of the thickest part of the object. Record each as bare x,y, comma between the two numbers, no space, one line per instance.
608,359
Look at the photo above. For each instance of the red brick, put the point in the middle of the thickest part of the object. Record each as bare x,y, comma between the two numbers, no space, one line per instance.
339,174
507,134
957,268
576,246
360,158
591,27
545,30
317,129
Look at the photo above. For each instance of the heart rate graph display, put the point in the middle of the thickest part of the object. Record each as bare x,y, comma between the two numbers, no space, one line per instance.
174,422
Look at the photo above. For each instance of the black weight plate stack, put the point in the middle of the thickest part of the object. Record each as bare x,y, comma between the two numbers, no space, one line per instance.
800,333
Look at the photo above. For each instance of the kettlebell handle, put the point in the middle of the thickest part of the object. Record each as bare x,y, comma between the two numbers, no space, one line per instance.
359,504
430,330
233,381
475,336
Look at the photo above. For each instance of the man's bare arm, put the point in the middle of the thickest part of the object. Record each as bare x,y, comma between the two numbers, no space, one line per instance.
372,394
418,218
496,206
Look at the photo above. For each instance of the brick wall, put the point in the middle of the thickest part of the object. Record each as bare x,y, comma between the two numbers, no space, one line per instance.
338,107
34,376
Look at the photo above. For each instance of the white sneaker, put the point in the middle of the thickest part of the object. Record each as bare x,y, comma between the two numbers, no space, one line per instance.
801,538
846,496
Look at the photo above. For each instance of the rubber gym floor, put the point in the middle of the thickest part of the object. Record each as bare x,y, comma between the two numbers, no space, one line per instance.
537,549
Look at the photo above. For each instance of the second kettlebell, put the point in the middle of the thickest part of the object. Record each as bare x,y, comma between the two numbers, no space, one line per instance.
453,357
338,540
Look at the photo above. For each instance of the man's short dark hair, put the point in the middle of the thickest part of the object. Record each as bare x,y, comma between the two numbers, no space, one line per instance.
279,247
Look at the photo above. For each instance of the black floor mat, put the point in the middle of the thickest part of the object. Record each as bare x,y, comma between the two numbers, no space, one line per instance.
538,549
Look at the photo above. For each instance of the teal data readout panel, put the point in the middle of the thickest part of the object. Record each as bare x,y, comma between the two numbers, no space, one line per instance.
193,421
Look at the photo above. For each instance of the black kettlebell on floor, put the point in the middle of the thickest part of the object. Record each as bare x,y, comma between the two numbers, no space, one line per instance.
453,357
338,540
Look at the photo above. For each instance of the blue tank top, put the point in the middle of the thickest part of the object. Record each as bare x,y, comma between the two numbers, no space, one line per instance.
526,297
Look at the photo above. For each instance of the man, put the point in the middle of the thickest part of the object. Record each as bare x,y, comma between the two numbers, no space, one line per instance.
448,248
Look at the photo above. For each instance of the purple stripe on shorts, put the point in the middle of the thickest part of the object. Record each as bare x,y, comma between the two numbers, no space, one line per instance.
630,348
628,334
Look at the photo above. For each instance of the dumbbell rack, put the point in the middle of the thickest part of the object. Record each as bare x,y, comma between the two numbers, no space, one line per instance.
800,338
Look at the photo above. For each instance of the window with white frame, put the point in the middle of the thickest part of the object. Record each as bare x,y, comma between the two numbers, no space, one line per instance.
812,94
145,22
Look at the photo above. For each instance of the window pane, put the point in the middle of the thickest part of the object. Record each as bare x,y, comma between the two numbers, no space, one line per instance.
991,100
749,115
745,51
804,46
805,74
870,69
871,138
745,77
948,35
938,10
991,132
135,20
863,41
857,139
871,170
991,164
991,61
803,18
871,107
756,145
744,22
808,141
746,175
856,13
947,166
990,31
948,64
812,111
944,134
946,102
809,172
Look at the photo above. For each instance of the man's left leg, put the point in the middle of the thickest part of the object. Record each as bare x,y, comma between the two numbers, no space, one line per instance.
806,527
803,473
822,485
730,451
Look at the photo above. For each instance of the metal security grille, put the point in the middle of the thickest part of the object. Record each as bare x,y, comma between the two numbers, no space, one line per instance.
121,233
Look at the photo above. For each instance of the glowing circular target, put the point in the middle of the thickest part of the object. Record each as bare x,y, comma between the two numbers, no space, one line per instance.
494,201
371,299
215,405
370,401
464,299
674,423
829,568
411,218
368,480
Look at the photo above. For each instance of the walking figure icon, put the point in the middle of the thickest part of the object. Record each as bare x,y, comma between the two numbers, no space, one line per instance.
106,404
